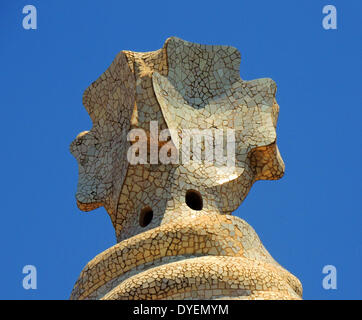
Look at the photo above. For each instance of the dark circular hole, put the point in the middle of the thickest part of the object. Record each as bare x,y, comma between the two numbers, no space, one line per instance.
146,217
194,200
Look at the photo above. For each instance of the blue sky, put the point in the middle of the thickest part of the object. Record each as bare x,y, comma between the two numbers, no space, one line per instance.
308,219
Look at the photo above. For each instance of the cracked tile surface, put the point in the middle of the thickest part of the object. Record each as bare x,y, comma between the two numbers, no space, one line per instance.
167,249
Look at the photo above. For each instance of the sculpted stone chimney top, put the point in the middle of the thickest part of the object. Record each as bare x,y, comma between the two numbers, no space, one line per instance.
178,139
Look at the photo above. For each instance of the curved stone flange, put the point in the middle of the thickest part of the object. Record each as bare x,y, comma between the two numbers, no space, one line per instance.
220,246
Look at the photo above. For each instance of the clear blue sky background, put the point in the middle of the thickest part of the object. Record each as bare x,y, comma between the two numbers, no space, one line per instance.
309,219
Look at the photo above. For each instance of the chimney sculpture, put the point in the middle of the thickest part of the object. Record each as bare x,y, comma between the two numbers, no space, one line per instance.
177,141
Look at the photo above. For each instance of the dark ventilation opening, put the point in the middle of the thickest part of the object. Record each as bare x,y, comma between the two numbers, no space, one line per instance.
146,217
194,200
